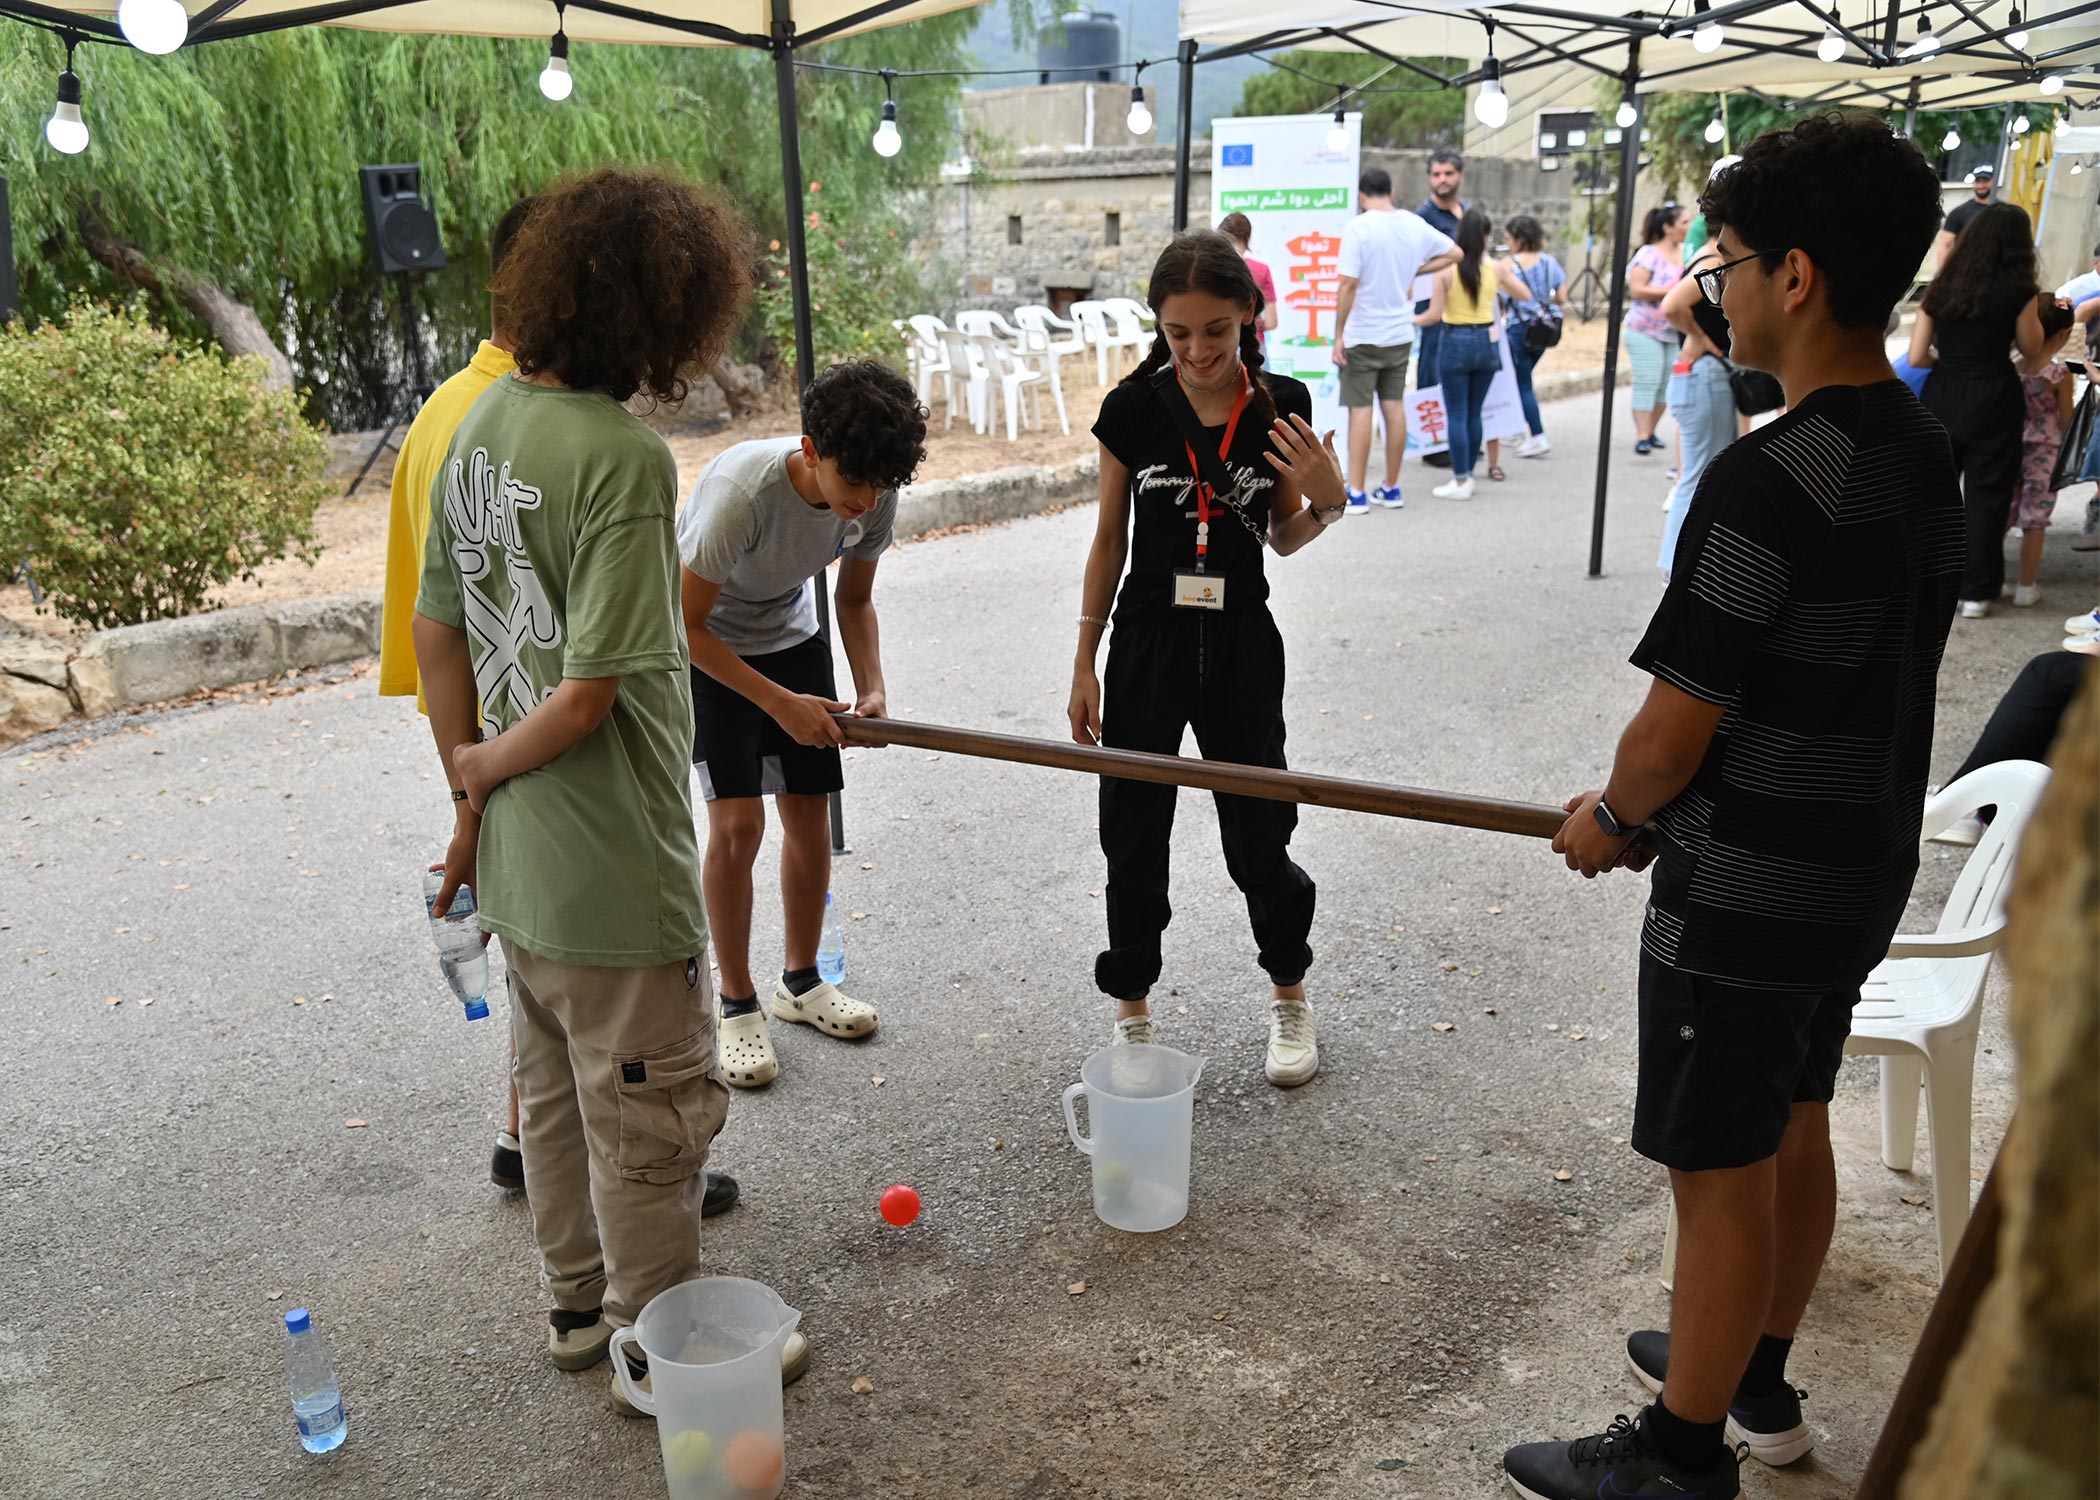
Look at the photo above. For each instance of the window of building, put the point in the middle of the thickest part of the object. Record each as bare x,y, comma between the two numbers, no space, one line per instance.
1112,229
1013,229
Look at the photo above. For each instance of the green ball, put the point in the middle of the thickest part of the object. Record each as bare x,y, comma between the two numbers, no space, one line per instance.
1112,1181
687,1455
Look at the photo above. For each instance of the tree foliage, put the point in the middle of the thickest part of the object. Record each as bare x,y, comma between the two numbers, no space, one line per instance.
139,471
239,160
1402,110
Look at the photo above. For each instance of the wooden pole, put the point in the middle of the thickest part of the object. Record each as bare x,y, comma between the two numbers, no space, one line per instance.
1496,816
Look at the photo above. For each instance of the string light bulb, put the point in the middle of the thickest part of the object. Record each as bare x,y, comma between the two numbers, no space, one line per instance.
2017,37
1832,48
1951,141
886,141
1928,42
1491,105
65,130
2052,83
1707,35
155,26
1627,115
2021,124
1140,117
2062,127
2077,167
1716,129
1338,133
555,81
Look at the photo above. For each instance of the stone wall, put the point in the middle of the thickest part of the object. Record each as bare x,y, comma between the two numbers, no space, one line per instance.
1059,203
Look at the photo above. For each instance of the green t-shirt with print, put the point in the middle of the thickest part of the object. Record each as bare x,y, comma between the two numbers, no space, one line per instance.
552,545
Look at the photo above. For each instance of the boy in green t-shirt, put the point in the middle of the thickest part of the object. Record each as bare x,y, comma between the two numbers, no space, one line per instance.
550,596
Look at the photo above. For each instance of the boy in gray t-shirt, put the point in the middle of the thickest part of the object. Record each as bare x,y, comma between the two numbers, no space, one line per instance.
764,520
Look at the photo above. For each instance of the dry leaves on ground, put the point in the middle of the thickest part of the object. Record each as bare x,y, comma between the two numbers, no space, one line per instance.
1074,1288
862,1386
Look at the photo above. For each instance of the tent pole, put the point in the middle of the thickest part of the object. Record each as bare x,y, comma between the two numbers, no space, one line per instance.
798,285
1622,236
1184,125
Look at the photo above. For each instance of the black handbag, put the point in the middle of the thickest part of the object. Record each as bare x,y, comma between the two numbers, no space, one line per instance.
1755,392
1541,333
2078,436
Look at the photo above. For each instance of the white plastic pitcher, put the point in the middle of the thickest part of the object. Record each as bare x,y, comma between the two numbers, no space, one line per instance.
1141,1108
714,1385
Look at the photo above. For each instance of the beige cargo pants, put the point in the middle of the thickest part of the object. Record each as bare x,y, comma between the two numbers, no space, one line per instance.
618,1099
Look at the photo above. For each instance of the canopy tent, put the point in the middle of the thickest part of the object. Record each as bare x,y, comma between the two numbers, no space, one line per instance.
780,27
1860,53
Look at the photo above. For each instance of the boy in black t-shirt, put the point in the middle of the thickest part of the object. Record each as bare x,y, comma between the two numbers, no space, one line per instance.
1779,767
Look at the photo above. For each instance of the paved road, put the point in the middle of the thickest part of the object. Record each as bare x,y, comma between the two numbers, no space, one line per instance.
215,960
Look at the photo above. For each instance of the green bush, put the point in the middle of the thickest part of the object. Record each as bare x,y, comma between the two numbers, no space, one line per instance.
139,472
859,283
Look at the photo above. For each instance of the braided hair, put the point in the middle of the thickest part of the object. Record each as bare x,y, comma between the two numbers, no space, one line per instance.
1204,260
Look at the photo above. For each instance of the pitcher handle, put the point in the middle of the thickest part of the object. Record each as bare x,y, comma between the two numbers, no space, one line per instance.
1072,1119
644,1401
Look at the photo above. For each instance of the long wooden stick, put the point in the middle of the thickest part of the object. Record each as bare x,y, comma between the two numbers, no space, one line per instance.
1492,814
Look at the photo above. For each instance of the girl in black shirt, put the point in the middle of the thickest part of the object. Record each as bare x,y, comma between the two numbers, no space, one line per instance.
1194,644
1978,309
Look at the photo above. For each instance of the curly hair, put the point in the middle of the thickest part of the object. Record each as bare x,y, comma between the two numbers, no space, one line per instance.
1995,251
866,418
624,282
1525,233
1203,260
1814,188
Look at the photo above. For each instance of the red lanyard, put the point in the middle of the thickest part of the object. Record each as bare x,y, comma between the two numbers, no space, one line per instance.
1203,490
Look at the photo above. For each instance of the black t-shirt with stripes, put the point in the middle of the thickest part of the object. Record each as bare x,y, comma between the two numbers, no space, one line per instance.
1813,587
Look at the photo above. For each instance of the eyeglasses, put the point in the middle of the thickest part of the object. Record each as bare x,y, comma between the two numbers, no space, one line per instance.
1714,278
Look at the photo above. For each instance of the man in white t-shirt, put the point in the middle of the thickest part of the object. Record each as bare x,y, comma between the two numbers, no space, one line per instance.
1384,248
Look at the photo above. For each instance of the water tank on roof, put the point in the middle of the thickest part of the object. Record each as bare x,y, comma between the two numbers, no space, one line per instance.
1084,47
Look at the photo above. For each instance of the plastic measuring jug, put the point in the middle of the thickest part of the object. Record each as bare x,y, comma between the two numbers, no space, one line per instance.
714,1385
1141,1108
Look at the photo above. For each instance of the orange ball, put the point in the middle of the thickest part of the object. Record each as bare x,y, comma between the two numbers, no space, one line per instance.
900,1205
754,1460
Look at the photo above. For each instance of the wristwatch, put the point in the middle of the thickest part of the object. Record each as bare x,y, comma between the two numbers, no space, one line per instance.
1329,517
1609,821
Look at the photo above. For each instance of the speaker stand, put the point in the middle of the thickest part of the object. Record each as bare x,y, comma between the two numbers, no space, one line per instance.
420,391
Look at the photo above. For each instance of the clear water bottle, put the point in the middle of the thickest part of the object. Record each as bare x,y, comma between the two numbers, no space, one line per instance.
461,954
831,951
317,1401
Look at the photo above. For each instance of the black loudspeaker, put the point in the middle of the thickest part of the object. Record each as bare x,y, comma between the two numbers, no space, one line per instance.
10,297
404,230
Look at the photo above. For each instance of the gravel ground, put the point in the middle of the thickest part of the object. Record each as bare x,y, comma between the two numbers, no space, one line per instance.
246,1089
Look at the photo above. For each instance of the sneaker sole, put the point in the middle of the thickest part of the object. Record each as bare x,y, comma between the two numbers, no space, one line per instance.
1772,1449
573,1360
1290,1078
750,1078
1532,1494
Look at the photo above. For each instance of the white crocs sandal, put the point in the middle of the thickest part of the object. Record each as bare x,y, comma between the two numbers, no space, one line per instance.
826,1009
744,1049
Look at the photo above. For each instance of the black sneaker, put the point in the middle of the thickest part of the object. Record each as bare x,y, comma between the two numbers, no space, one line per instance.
1615,1465
1769,1425
507,1166
720,1197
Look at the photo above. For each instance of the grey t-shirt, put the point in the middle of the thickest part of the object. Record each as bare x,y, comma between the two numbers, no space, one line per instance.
745,527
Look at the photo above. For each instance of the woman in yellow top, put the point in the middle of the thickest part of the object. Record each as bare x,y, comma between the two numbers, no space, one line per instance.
1463,300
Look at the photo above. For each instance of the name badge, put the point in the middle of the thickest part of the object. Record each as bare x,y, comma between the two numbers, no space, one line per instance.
1198,591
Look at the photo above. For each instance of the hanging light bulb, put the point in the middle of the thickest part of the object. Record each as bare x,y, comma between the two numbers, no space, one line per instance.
2017,37
555,81
1491,105
1626,116
2077,167
1928,42
2021,124
1140,117
2052,83
2062,127
155,26
65,130
887,142
1716,130
1951,141
1832,47
1338,133
1707,35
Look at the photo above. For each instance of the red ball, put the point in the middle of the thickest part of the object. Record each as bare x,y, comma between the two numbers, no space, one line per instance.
900,1205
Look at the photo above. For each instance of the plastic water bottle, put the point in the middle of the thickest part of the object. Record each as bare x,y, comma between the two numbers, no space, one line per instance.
317,1401
461,955
831,952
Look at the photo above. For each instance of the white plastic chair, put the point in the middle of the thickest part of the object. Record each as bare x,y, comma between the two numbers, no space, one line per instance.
1105,329
1130,307
1922,1007
1046,351
931,360
1014,376
979,323
966,364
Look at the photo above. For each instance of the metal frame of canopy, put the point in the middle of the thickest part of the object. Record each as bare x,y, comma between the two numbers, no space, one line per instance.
219,21
1761,54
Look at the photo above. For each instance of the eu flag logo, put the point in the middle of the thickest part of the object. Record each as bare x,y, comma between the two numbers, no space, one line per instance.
1241,155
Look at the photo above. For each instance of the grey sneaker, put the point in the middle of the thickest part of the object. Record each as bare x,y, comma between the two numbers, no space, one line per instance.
577,1340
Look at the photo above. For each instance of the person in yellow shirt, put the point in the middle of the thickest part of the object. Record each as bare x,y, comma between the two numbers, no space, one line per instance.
408,526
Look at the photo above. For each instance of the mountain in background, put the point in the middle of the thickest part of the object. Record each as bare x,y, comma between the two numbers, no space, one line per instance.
1150,31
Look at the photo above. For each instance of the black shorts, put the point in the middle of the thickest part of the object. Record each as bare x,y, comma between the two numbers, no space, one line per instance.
740,751
1723,1065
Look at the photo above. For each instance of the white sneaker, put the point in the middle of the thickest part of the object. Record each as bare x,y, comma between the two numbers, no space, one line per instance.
2085,624
744,1050
1454,489
825,1008
1133,1031
1294,1045
1975,609
2027,596
1534,447
1963,833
